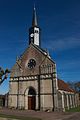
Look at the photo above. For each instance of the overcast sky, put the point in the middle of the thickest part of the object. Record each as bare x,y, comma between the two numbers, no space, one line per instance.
59,21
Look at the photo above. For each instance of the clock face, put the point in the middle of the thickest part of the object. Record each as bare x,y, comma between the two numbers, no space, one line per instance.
31,63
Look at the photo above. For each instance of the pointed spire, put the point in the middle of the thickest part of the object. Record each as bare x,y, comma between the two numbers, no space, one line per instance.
34,20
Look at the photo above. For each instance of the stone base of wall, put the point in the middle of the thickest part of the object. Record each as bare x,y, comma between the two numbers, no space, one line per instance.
47,109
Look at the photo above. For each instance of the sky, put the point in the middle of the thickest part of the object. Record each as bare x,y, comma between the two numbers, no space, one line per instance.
59,21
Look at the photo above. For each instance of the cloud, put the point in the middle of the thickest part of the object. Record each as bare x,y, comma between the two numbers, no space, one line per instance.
64,44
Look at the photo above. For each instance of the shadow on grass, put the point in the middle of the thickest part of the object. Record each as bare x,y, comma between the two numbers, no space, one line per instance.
17,117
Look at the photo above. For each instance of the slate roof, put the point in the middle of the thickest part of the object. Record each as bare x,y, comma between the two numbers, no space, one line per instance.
64,86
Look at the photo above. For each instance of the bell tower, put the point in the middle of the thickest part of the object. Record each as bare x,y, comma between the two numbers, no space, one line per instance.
34,30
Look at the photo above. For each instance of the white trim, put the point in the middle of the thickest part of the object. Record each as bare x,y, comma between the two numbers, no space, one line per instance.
62,95
67,101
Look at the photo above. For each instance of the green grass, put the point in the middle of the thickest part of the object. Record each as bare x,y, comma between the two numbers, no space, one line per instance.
17,117
76,109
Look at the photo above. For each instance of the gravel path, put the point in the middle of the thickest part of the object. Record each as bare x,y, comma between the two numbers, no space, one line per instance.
6,119
42,115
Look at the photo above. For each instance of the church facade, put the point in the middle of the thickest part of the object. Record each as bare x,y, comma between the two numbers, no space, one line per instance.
33,81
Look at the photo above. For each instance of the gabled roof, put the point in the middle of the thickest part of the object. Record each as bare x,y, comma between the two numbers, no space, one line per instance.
64,86
45,53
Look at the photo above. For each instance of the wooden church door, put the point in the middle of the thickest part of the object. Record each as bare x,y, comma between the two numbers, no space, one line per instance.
31,99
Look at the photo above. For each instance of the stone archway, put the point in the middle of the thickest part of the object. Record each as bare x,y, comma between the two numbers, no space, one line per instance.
31,99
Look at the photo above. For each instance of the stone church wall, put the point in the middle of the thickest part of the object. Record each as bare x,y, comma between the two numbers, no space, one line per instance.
42,78
12,102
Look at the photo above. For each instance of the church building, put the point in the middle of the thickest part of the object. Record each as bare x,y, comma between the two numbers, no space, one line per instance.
33,81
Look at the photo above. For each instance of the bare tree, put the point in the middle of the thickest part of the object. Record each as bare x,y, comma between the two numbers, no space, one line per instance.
3,74
75,85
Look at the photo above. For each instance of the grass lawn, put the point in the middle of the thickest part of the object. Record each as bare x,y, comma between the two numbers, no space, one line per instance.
19,118
77,109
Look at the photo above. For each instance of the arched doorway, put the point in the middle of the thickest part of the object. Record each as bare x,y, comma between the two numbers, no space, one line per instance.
31,99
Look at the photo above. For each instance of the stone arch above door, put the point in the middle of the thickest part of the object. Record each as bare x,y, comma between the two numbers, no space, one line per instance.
30,98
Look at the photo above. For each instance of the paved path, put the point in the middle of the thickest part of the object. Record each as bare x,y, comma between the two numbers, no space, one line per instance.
6,119
74,116
42,115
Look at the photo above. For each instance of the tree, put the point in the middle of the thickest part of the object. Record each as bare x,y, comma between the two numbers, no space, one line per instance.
71,84
3,74
74,85
77,86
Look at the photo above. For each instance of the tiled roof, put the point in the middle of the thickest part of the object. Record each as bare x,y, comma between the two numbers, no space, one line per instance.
64,86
